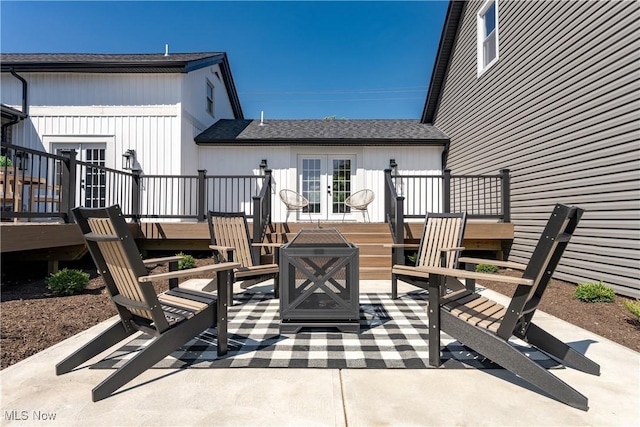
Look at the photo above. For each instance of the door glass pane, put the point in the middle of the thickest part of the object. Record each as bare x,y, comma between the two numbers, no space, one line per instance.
311,188
95,179
341,184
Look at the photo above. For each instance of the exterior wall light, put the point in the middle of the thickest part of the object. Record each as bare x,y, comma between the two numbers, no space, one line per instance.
263,166
22,160
129,159
393,166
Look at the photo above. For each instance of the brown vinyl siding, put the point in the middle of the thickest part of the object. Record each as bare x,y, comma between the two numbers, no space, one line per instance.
561,110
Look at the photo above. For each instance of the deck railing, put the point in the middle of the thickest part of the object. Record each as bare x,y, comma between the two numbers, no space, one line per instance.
480,196
41,186
38,185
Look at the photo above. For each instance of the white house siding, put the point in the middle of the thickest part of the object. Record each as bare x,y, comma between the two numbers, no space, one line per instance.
92,89
561,110
140,111
283,160
195,118
411,160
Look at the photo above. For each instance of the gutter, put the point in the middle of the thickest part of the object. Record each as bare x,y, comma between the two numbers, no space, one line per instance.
25,111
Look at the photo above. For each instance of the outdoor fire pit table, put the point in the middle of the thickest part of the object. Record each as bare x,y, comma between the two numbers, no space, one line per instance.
319,282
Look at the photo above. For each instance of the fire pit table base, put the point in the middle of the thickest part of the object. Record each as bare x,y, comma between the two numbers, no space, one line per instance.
293,327
319,282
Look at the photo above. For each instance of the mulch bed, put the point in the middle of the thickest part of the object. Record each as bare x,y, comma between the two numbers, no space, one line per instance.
33,318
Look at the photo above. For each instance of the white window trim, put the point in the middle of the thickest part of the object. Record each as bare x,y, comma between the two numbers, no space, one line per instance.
213,99
480,30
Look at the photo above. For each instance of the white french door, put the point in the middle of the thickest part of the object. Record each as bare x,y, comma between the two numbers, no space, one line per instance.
93,185
326,181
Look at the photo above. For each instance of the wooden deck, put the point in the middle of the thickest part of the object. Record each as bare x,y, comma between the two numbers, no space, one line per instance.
55,242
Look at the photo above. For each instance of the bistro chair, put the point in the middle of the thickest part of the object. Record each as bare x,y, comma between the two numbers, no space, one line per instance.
294,202
359,201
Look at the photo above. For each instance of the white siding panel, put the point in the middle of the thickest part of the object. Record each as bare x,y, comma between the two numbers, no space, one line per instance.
151,137
370,165
561,110
77,89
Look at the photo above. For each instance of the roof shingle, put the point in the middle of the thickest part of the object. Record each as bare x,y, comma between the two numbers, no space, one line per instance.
367,132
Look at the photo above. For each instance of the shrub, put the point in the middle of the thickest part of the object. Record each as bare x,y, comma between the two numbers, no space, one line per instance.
412,258
633,307
67,282
595,292
486,268
186,262
5,162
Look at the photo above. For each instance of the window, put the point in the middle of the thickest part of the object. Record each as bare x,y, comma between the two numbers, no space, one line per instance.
488,52
210,92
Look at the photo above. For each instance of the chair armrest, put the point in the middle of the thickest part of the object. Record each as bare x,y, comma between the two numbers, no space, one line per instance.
189,272
401,245
454,249
162,260
222,248
424,272
503,264
268,245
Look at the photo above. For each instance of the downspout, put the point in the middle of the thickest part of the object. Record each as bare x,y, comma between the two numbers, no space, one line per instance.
25,112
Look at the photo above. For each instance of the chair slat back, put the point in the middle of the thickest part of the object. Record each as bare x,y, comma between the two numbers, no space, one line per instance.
231,229
441,231
118,263
544,260
116,255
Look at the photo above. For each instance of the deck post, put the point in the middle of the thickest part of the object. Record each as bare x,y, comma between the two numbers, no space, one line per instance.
387,195
135,194
506,195
267,195
202,188
68,184
446,191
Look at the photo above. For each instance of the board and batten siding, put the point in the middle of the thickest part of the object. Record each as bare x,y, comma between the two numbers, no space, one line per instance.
195,118
283,161
561,109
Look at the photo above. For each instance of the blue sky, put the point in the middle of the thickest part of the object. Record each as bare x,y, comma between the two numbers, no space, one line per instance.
292,60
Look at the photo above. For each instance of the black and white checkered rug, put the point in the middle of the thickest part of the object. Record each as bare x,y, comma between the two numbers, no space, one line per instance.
393,334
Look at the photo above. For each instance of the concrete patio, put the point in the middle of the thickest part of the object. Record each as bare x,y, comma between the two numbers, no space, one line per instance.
33,395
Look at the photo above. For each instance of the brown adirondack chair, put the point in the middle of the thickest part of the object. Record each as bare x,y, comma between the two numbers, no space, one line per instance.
173,317
440,246
10,193
230,241
486,326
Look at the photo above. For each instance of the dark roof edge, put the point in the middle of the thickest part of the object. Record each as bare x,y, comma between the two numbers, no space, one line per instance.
324,142
141,66
231,88
170,66
441,65
11,113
